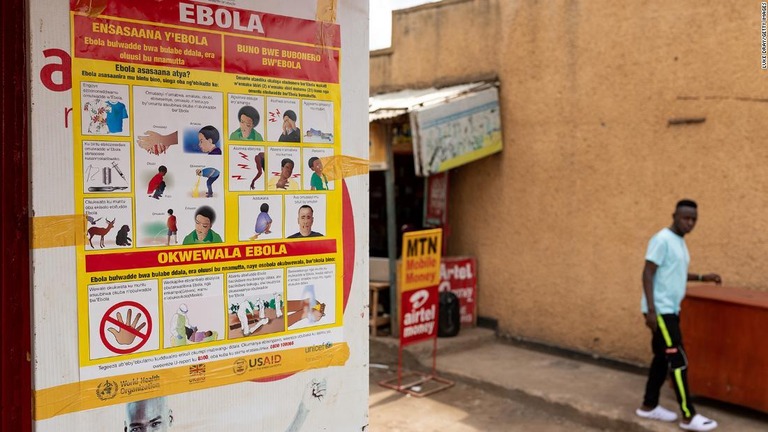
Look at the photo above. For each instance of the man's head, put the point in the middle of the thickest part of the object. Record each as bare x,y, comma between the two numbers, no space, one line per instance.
684,217
264,207
248,118
286,169
315,164
162,169
306,218
149,415
207,138
204,218
170,211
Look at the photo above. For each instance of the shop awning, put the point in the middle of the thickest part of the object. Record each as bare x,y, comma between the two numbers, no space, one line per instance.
390,105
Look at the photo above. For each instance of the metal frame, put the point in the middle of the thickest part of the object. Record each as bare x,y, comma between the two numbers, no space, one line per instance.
420,377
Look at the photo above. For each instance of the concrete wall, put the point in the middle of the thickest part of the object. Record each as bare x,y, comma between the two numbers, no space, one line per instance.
560,220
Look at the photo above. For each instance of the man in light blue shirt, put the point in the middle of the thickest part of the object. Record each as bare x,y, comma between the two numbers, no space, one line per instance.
664,278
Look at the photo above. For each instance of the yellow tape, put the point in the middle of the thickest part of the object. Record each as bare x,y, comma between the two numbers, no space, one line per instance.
92,8
57,231
326,11
340,167
326,15
97,393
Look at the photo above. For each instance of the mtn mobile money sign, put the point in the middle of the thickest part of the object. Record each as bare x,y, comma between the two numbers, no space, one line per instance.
418,285
421,259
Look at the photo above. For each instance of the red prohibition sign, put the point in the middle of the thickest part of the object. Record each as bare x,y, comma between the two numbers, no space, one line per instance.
125,327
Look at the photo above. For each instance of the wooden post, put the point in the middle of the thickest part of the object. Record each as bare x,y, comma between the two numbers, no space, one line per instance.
15,369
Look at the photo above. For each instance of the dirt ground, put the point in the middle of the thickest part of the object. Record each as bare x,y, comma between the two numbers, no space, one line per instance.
461,408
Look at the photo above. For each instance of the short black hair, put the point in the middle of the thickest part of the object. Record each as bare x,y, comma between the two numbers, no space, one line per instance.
290,114
170,211
264,207
206,211
211,133
686,203
249,112
312,161
307,206
162,169
285,161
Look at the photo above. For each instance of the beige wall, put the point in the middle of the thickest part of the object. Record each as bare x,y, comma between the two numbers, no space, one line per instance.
590,168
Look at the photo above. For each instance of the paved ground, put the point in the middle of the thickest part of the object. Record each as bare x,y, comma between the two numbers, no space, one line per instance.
508,387
462,408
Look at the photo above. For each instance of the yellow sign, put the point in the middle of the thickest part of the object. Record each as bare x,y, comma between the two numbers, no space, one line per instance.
421,259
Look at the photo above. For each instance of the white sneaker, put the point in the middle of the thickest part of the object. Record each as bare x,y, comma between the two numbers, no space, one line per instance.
658,413
699,423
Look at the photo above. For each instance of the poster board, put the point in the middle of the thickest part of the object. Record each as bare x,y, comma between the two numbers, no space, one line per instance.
211,308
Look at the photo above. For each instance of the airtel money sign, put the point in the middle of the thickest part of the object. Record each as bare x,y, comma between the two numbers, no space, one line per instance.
419,315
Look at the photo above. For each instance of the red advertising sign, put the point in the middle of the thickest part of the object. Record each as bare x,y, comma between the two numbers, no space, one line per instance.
437,199
459,275
418,315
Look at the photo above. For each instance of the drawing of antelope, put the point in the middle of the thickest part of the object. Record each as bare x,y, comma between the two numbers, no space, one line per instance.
99,231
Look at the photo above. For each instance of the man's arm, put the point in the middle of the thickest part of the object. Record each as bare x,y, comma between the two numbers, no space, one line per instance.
709,277
649,271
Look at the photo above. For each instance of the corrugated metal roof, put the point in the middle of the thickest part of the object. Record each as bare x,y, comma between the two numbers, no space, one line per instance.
390,105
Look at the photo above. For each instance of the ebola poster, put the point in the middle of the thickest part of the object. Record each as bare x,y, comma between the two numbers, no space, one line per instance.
212,229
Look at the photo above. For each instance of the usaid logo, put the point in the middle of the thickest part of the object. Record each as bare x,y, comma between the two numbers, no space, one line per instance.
418,299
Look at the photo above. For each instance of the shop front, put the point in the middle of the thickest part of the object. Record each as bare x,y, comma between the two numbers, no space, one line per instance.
416,138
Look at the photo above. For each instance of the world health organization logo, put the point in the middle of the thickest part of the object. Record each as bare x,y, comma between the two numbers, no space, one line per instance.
106,390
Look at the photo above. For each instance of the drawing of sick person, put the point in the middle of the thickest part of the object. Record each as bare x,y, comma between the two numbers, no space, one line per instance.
203,233
181,329
249,118
207,138
284,179
263,222
156,185
291,132
318,181
212,174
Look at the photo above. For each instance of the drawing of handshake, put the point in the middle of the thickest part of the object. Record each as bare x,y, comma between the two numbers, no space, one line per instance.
155,143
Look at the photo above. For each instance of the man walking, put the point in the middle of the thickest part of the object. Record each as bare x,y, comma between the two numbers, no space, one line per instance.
664,278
